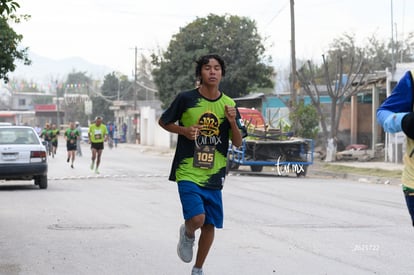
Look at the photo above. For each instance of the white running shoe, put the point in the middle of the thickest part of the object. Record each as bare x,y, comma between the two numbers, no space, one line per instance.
197,271
185,246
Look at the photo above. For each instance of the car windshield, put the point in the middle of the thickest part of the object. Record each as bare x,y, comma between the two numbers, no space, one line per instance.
17,136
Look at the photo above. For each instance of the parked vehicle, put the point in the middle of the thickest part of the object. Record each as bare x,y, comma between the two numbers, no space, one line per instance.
22,155
286,156
253,119
264,147
84,134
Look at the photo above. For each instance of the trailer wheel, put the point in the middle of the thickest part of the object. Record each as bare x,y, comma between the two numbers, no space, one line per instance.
256,168
302,173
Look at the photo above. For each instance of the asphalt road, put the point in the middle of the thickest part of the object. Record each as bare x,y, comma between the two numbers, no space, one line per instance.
126,220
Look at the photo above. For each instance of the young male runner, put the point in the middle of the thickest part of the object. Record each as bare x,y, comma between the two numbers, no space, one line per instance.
206,121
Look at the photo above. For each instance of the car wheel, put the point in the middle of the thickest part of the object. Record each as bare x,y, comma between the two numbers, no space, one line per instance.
41,181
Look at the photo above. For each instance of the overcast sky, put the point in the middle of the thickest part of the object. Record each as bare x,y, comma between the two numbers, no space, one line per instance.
106,31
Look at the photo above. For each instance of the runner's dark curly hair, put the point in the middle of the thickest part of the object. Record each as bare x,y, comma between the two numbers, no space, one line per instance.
203,60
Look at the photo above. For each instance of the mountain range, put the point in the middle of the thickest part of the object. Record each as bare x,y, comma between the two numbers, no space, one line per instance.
45,70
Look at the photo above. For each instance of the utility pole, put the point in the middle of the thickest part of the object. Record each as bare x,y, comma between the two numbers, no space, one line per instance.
393,59
293,52
293,62
135,96
135,78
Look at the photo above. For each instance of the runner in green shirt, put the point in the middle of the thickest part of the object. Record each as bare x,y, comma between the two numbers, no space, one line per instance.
55,134
98,134
47,137
71,136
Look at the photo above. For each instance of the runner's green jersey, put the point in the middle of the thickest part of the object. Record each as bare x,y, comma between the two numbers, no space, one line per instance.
47,134
72,135
55,133
97,133
202,161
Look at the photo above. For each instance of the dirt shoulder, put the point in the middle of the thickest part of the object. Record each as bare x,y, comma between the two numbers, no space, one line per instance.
375,172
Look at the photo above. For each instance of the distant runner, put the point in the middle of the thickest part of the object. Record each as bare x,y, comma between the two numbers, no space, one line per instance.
98,134
71,136
55,134
46,134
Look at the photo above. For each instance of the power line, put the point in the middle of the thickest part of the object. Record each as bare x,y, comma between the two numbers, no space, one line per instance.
286,4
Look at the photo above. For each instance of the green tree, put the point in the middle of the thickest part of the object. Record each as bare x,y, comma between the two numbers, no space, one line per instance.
308,120
10,40
8,7
234,38
103,100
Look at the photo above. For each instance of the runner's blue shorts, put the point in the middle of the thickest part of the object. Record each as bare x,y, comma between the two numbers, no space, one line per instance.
409,199
196,200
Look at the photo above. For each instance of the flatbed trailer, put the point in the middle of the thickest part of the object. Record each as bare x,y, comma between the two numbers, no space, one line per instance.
286,156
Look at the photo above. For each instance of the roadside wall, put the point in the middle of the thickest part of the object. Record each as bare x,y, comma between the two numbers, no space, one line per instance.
151,133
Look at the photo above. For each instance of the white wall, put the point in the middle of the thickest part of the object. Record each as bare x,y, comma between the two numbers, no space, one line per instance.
151,133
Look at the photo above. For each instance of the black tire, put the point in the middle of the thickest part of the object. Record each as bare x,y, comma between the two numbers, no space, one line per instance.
256,168
302,173
41,181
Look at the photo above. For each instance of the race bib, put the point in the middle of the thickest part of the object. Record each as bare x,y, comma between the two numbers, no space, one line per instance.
204,156
98,134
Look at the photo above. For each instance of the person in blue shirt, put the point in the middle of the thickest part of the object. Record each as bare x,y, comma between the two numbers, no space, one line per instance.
395,115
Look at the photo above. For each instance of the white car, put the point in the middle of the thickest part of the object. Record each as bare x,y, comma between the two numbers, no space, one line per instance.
22,155
84,134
